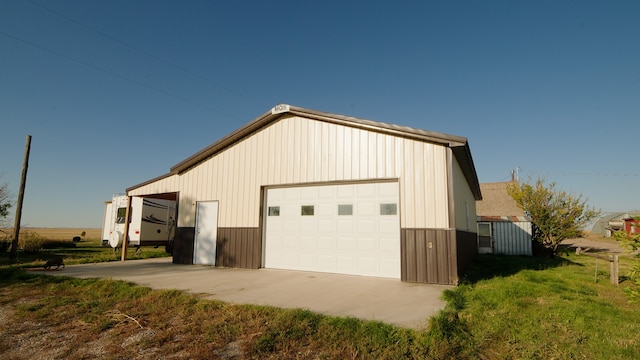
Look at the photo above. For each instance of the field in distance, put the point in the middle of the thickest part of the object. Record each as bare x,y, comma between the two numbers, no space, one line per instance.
61,233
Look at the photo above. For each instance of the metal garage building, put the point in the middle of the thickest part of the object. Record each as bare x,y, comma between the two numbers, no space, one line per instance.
307,190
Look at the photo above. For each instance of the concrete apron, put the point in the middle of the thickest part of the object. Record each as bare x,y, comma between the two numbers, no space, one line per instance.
388,300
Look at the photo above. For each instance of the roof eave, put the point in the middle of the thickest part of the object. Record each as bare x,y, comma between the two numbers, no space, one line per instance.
463,154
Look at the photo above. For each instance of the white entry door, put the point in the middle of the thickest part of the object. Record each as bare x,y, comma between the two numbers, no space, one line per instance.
346,228
204,248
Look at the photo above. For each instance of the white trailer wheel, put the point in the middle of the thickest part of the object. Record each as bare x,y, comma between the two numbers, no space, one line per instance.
115,239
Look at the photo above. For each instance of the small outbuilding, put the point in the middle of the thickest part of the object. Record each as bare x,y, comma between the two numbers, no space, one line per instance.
503,228
308,190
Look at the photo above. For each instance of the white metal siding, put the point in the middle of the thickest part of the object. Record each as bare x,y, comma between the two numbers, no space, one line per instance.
512,238
297,150
465,202
165,185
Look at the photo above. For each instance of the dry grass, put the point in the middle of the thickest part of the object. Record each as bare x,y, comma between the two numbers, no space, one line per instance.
58,243
61,233
55,233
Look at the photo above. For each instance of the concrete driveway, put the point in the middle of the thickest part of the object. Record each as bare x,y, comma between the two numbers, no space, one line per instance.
391,301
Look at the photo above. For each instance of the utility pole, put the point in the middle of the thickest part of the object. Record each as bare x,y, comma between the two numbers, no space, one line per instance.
23,182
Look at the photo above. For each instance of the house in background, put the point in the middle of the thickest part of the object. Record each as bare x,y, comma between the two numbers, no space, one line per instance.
503,227
307,190
610,223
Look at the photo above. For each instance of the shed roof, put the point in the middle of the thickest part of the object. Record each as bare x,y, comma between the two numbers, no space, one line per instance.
458,144
496,202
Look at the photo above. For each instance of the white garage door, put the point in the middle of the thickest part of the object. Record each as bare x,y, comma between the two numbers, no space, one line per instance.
346,229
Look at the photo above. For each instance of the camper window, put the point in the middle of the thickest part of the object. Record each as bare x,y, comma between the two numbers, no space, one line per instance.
122,212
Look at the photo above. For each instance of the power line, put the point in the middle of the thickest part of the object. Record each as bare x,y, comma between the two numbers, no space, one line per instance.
123,43
577,173
114,74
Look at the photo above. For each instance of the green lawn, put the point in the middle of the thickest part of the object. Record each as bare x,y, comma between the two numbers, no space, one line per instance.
533,308
505,308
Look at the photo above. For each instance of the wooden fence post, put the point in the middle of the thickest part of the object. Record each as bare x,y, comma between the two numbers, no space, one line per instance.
613,264
614,269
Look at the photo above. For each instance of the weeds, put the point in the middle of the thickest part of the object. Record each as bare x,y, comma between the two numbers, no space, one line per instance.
505,308
31,242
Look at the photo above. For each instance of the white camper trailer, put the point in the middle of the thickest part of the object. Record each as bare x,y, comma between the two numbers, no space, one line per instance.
152,221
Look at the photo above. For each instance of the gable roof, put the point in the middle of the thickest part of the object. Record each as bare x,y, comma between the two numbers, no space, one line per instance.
496,202
458,144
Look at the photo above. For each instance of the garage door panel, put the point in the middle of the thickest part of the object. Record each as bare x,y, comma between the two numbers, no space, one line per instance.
388,226
367,227
366,245
346,264
367,265
274,258
389,247
346,226
328,226
289,210
326,210
346,243
307,226
327,262
308,261
307,193
346,191
327,192
388,190
388,266
352,239
308,243
291,260
290,226
276,194
290,193
276,227
366,209
290,242
327,243
367,191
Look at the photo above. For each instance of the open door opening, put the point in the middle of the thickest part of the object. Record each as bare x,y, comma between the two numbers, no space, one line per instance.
485,238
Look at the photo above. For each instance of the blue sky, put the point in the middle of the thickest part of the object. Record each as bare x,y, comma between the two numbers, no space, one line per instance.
116,92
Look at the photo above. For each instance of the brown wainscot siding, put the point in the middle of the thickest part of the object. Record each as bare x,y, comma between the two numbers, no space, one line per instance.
183,245
428,256
239,247
467,249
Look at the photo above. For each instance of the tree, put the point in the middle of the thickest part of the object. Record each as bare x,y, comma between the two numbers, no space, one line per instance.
556,214
631,241
5,204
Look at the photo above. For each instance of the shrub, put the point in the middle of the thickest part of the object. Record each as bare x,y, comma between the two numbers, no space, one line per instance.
31,242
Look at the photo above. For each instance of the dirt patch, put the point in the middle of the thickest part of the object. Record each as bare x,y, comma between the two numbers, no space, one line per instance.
21,339
595,245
